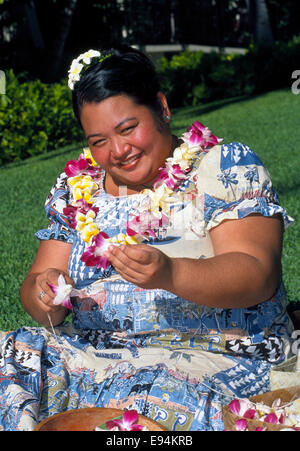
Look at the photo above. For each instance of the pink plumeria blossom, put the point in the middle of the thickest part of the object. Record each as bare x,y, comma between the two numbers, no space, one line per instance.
241,408
172,175
241,425
63,292
199,135
81,166
126,423
271,418
93,256
250,413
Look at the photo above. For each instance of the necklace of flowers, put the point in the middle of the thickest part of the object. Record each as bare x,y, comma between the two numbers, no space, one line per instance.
82,181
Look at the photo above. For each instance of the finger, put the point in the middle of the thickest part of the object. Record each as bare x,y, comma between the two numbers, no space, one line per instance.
140,254
122,260
46,302
127,268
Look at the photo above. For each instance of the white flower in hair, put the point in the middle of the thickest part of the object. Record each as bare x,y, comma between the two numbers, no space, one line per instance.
86,57
74,73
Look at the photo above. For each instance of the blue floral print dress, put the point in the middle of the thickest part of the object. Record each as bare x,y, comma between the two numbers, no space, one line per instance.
171,359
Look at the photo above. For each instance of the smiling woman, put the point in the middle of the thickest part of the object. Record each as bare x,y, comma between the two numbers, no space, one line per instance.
173,248
128,144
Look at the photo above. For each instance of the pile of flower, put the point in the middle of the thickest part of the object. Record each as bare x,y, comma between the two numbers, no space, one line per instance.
126,422
284,415
82,180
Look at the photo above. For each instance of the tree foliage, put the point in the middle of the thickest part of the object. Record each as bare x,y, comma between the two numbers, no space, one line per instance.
42,37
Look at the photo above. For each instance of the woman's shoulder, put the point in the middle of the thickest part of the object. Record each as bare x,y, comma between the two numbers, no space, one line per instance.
232,154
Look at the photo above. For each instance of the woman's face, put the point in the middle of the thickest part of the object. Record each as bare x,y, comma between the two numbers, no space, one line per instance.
125,139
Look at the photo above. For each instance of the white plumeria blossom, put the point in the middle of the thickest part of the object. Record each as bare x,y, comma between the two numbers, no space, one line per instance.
77,66
74,73
86,57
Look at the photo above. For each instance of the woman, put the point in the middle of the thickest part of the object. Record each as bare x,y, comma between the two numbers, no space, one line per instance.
173,247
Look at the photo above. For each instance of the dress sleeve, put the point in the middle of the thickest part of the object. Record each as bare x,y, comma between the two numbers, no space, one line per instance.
232,183
59,225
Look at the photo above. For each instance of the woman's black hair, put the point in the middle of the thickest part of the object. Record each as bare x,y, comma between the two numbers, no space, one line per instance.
126,72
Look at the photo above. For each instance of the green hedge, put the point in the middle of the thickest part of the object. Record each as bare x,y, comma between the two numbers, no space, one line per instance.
35,118
196,77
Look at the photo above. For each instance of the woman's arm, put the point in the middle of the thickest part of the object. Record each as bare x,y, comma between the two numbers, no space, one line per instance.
51,260
244,271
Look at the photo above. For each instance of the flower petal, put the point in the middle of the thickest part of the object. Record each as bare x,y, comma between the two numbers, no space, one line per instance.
130,416
241,425
250,413
234,406
271,418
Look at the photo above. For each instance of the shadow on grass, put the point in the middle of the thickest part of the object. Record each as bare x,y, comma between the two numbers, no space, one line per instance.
45,156
207,108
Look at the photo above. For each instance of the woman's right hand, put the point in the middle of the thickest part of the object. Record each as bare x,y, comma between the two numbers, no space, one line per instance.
43,291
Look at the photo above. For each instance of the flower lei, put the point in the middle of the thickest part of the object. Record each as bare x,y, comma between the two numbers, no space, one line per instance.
82,175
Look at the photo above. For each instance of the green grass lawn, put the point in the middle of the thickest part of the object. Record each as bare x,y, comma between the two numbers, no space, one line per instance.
268,123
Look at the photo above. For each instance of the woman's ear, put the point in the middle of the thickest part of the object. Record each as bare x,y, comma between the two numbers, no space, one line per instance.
164,107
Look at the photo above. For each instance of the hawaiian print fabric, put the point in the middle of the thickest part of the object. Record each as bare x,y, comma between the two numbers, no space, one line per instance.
172,360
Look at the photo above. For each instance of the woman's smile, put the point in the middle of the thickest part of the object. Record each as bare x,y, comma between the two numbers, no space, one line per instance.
131,162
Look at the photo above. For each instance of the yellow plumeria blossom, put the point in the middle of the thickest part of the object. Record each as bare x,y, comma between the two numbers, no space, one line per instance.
83,187
121,238
88,155
88,232
86,226
160,198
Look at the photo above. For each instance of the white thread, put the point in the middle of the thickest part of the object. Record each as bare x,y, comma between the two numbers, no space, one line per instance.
51,324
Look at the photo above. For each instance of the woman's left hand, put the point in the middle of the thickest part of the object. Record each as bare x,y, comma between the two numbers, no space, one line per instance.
142,265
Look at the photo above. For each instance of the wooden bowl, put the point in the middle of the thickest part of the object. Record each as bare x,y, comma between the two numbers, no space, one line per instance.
88,418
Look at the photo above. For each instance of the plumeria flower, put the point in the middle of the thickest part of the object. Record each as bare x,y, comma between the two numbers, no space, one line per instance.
88,232
241,425
74,73
86,57
88,155
82,212
172,175
183,156
242,408
200,135
127,423
271,418
145,224
160,198
83,187
122,238
62,292
81,166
